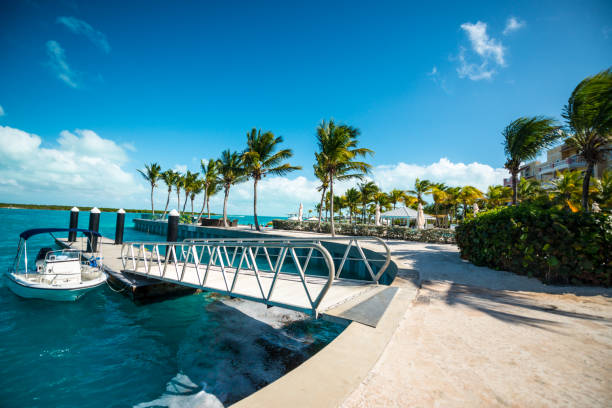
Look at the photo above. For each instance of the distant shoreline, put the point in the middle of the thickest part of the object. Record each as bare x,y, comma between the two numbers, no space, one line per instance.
66,208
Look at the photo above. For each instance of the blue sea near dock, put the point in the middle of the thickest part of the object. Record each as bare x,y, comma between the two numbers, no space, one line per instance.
106,351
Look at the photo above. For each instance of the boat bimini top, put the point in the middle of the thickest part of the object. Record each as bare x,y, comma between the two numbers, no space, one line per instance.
27,234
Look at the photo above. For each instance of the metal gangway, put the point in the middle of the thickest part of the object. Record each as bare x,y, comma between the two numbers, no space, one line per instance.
297,274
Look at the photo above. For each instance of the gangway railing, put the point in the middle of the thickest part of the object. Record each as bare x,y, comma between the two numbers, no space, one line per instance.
253,268
351,243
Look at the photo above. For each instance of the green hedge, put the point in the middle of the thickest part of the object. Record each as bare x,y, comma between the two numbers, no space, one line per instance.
556,246
434,235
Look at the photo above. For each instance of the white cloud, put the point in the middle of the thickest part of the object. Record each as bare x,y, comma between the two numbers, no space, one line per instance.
82,168
437,79
403,175
488,50
81,27
1,111
513,24
57,61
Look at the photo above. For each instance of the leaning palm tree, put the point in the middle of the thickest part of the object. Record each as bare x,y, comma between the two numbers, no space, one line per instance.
151,173
524,138
168,177
209,180
421,187
452,200
231,171
190,183
338,152
261,159
589,118
366,193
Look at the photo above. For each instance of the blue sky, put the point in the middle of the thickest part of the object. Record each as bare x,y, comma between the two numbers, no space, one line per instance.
91,90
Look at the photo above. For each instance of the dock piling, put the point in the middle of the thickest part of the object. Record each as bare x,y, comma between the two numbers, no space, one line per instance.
94,225
172,234
119,226
74,223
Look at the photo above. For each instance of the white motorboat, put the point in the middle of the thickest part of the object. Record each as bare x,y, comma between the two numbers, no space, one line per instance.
63,275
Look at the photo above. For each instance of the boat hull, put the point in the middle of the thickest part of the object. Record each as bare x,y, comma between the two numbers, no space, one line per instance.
22,289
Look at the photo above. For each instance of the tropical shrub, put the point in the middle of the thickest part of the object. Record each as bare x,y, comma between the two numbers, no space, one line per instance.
433,235
552,244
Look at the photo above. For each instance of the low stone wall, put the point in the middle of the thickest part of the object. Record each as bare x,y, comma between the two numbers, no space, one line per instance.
434,235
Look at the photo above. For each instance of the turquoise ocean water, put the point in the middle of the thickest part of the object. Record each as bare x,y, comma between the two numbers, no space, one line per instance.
106,351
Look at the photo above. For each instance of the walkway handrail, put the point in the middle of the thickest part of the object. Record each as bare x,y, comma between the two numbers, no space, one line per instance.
147,258
354,241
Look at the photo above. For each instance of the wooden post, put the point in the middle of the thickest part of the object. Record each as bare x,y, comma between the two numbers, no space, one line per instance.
74,223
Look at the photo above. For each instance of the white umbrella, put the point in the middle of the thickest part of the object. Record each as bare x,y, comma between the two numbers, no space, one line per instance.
300,213
476,209
377,216
420,218
595,208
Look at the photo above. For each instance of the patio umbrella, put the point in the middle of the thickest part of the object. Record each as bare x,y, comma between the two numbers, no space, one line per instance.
377,216
420,218
476,209
300,212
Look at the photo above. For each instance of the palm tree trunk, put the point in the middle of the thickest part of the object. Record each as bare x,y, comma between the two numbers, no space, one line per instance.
167,202
436,212
331,203
585,186
203,202
255,204
178,200
227,187
208,205
514,190
192,198
321,208
350,216
185,203
152,207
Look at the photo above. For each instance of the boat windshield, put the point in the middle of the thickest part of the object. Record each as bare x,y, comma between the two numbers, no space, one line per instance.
63,255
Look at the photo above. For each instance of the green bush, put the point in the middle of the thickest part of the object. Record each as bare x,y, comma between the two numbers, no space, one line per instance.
433,235
554,245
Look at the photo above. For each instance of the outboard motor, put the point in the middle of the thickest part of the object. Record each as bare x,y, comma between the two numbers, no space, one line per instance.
43,253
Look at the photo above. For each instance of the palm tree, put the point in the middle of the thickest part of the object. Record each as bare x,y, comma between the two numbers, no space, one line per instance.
261,158
323,177
589,117
196,188
352,200
209,180
453,200
468,196
179,182
603,188
231,171
337,153
190,182
421,187
151,173
395,196
498,195
366,192
565,188
528,188
438,193
524,138
168,177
